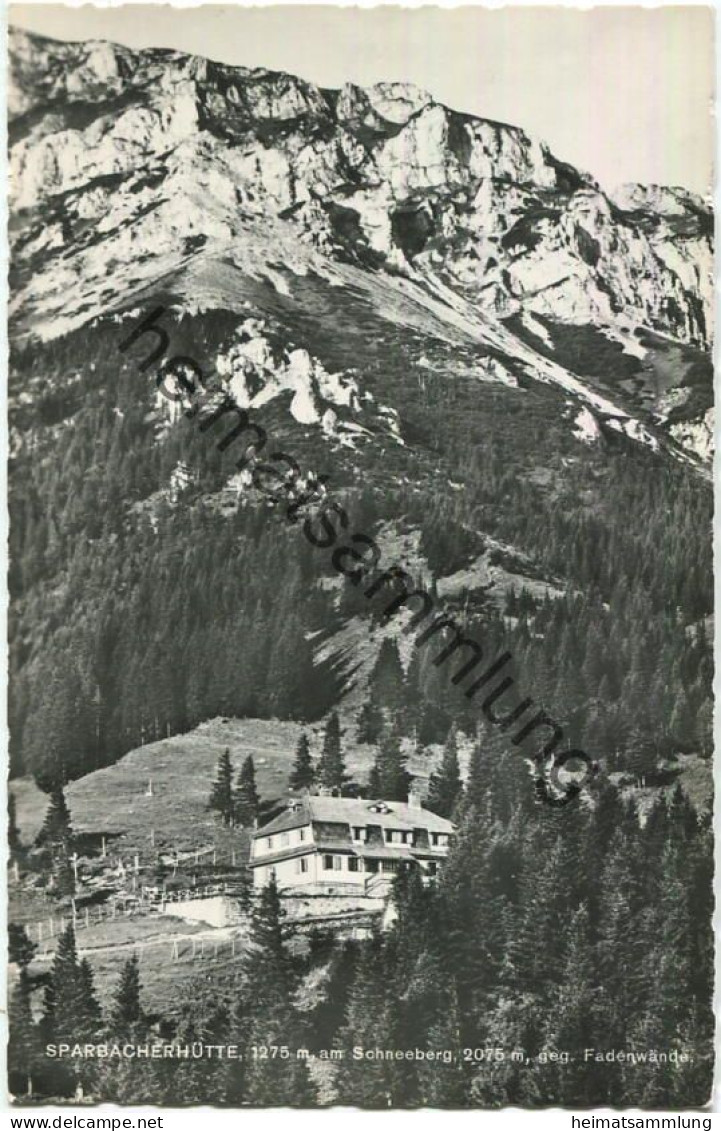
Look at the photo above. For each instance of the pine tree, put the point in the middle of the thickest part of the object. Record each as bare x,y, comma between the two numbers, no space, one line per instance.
244,881
331,767
21,948
370,722
221,795
389,778
89,1012
61,733
56,831
267,966
368,1023
247,801
24,1055
478,783
126,1008
268,1018
387,682
63,872
570,1022
63,996
303,774
444,787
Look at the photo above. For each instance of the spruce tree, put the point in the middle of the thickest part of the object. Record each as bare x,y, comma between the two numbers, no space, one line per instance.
368,1023
370,722
387,683
221,795
331,768
244,880
268,1016
126,1009
570,1021
63,873
247,800
63,995
267,965
302,774
56,831
21,948
89,1012
23,1050
444,788
389,778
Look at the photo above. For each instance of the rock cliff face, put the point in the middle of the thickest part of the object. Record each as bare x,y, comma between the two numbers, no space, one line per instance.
128,166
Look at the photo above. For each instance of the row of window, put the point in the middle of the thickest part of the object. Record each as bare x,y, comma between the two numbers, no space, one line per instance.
392,836
357,864
283,840
400,836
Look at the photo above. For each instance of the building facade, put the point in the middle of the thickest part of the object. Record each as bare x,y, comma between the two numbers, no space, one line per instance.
344,842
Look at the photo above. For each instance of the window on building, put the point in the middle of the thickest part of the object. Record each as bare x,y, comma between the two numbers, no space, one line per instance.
353,864
302,864
358,831
434,839
337,863
371,865
389,865
301,834
328,863
431,868
269,842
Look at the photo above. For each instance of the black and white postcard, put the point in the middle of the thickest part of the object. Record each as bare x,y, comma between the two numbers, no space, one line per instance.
361,581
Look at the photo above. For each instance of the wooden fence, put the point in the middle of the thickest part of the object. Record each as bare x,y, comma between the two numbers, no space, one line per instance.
121,907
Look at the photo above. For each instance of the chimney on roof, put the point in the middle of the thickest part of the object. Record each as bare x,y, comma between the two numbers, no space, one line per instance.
414,799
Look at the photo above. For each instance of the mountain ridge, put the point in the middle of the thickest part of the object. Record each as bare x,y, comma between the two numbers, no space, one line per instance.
394,145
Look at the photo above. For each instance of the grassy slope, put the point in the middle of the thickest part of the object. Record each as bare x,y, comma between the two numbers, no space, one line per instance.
108,946
114,801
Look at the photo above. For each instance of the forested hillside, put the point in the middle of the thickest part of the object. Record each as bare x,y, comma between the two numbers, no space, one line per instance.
501,374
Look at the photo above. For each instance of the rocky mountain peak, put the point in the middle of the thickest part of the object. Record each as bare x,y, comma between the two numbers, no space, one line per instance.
151,160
